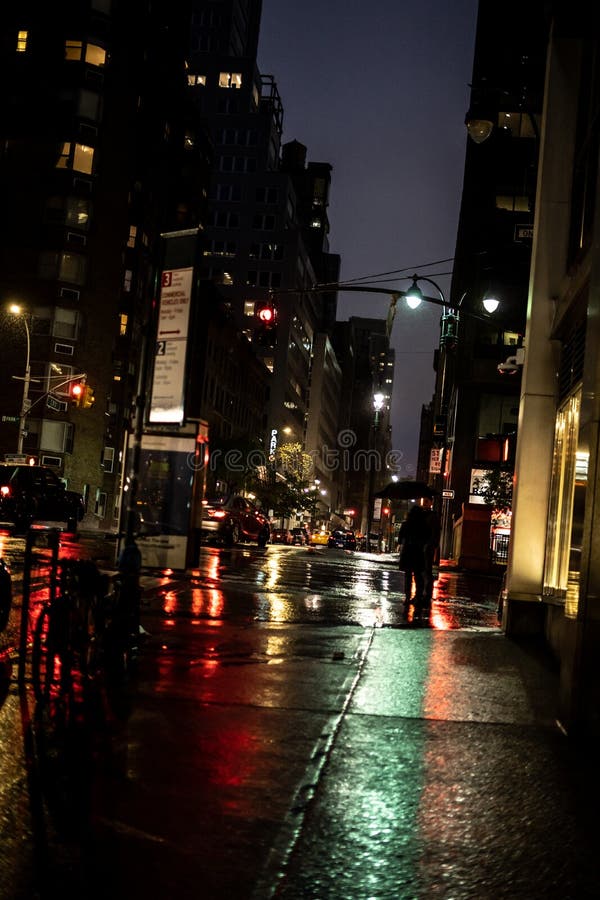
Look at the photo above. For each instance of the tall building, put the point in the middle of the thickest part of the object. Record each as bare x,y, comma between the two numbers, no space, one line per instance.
365,440
553,577
101,153
125,122
265,240
476,403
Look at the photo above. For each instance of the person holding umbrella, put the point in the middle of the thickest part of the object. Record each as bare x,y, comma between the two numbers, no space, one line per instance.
412,538
419,538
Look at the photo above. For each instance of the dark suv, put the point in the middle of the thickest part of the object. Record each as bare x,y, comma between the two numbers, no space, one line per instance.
36,494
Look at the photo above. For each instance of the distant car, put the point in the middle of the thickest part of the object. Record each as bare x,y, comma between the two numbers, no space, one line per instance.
281,536
320,537
232,519
343,540
36,494
300,536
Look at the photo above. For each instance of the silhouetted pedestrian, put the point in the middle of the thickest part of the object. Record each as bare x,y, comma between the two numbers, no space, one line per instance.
412,537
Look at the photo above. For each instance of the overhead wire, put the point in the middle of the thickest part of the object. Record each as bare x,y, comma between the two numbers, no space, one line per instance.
436,262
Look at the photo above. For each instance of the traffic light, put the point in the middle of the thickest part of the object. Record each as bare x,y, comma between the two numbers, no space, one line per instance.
265,333
77,392
88,396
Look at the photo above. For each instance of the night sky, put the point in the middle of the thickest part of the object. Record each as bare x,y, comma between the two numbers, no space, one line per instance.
380,91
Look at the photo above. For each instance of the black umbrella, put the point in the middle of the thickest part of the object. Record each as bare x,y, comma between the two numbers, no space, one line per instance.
406,490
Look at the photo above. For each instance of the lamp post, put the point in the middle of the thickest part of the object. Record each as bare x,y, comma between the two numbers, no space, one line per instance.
448,341
16,310
378,401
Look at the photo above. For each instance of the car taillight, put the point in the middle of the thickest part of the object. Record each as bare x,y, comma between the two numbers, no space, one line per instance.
5,490
217,513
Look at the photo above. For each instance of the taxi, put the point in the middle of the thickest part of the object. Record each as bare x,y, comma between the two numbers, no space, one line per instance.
320,537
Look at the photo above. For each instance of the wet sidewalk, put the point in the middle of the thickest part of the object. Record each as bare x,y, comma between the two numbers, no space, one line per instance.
250,761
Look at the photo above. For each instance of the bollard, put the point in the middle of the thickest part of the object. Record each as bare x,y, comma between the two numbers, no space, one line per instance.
5,594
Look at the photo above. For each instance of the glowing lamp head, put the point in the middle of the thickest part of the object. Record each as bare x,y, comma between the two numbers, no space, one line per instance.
414,295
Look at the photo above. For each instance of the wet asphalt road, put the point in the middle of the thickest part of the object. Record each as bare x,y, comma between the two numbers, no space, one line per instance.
291,733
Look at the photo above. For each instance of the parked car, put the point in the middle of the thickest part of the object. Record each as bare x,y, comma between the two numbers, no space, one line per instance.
281,536
343,540
232,519
320,537
300,536
36,494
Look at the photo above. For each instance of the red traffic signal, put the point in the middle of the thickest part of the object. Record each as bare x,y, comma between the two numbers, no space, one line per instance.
266,315
266,327
77,391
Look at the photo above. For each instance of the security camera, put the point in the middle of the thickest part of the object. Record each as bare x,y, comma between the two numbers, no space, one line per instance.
509,367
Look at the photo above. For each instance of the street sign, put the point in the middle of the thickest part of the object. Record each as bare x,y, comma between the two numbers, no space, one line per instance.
435,461
523,232
10,418
53,403
448,494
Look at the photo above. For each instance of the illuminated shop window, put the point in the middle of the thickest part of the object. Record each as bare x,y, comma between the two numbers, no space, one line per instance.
21,41
567,471
230,79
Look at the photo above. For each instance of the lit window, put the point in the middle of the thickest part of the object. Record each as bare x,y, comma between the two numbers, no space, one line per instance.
188,141
123,324
73,49
95,55
21,41
248,307
63,158
77,212
132,236
230,79
513,204
127,279
315,223
194,80
83,159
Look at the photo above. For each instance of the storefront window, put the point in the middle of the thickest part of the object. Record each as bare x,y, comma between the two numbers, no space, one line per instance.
560,511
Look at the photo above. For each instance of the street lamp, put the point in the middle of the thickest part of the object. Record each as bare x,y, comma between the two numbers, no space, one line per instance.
16,310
